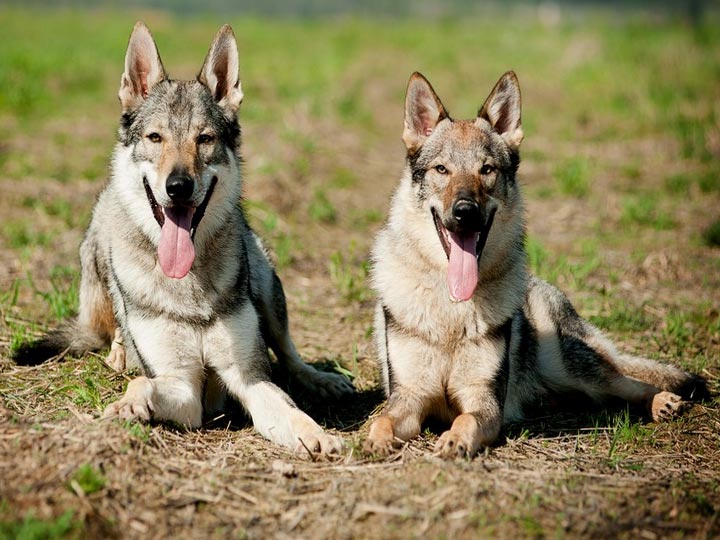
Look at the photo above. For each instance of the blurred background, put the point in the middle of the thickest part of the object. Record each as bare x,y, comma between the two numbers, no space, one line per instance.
620,160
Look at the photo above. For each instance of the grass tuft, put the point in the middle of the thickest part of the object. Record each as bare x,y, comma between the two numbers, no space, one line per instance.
644,211
573,177
349,276
711,235
65,526
321,209
88,479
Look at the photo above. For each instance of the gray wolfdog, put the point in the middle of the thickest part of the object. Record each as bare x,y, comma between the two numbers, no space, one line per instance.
171,270
464,333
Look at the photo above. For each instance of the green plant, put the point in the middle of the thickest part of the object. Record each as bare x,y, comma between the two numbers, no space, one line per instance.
572,177
644,210
88,479
349,276
709,181
321,208
623,319
711,235
677,184
20,234
65,526
63,296
139,430
343,178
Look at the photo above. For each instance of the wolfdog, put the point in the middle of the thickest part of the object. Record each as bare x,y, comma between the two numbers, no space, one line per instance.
463,332
170,269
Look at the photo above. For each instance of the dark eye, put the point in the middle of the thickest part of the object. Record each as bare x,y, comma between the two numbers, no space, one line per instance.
154,137
441,169
205,139
486,169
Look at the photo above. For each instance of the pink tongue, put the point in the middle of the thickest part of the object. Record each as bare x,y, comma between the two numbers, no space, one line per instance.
462,275
176,251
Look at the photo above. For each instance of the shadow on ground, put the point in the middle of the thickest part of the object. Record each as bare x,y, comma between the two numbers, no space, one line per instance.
346,414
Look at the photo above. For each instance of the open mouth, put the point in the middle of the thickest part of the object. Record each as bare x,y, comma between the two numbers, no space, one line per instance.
463,250
178,225
197,215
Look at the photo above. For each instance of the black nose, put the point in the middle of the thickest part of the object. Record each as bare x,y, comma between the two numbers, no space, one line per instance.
179,187
466,211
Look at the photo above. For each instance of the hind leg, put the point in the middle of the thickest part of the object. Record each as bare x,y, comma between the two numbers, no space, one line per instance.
591,365
660,405
573,355
316,382
95,323
95,313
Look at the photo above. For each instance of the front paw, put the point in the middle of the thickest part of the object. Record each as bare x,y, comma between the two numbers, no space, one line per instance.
466,437
136,404
452,445
319,442
127,409
381,440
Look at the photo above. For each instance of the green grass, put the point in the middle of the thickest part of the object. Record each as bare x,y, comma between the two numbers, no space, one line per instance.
65,526
362,219
645,210
89,386
139,430
349,275
711,235
89,479
352,372
622,89
625,433
573,177
321,208
709,181
623,319
63,296
273,230
21,234
692,133
85,392
551,267
691,335
678,184
343,178
18,332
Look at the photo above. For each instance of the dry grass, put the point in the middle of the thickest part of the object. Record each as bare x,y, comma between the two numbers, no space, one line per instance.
321,139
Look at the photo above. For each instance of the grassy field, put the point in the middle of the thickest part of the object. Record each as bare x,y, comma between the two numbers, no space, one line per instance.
621,171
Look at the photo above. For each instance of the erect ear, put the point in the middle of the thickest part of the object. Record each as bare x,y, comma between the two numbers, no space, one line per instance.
143,68
502,110
423,112
220,71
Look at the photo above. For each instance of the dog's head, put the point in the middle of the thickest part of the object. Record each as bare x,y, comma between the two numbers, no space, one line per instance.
178,143
463,171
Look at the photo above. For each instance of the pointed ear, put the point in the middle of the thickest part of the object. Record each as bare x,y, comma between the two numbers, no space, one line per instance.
423,112
502,110
220,71
143,68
